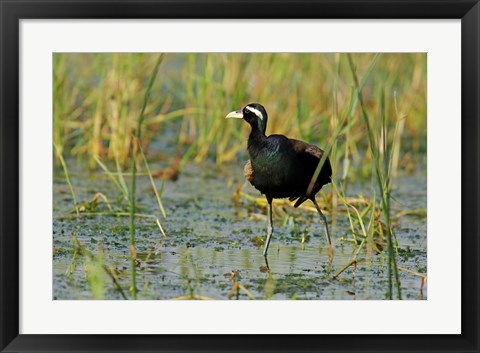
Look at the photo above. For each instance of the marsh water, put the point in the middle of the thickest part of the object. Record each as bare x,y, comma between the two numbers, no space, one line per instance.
213,242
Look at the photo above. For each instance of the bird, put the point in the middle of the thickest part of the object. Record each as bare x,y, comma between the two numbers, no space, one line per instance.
281,167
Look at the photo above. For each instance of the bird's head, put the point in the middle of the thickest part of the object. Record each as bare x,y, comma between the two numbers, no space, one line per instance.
254,114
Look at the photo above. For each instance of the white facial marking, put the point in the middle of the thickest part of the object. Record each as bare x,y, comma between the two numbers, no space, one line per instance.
255,111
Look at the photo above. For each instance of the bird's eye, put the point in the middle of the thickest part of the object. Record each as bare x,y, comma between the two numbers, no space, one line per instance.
257,112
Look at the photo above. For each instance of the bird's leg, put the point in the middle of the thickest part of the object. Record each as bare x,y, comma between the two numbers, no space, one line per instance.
324,220
269,225
266,263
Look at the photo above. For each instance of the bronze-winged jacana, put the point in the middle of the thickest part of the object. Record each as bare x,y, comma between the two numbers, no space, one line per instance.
281,167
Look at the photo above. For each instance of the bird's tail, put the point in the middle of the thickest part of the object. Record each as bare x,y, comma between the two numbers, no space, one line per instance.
300,200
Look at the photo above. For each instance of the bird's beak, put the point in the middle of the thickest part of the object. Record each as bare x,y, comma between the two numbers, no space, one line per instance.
237,114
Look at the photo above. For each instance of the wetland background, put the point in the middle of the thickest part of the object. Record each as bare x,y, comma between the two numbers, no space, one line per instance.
149,196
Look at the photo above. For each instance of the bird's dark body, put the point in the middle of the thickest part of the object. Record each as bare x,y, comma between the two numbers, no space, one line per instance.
283,167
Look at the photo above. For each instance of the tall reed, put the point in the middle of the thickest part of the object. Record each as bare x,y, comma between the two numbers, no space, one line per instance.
136,142
383,184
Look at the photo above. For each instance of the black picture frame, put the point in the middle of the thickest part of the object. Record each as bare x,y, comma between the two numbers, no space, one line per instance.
13,11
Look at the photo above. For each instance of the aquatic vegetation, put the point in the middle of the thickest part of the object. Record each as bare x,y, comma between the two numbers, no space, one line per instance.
148,176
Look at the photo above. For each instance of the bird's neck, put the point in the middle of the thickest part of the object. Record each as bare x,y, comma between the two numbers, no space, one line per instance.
256,141
257,134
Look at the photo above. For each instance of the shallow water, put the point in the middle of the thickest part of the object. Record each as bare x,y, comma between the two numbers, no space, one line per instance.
211,243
